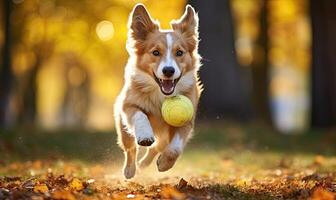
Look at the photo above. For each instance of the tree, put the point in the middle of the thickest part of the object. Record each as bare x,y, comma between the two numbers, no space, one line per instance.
323,15
225,88
260,70
6,74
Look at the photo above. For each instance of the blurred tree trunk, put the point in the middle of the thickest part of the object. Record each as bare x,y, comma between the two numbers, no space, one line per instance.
43,50
29,96
259,70
6,74
323,15
76,102
225,88
28,111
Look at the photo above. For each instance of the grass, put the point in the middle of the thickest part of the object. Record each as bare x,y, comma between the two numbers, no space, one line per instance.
227,161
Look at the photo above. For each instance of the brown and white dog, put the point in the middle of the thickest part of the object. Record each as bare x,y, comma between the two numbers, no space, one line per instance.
162,63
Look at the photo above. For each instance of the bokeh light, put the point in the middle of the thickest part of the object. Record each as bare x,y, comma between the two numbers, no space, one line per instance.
105,30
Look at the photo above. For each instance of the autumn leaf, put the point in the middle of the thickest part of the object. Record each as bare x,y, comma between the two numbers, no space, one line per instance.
182,184
63,194
41,188
76,184
172,193
322,194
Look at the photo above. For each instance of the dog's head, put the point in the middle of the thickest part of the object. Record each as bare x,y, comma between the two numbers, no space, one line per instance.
164,55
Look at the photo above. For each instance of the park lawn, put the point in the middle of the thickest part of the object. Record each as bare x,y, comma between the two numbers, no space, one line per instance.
222,161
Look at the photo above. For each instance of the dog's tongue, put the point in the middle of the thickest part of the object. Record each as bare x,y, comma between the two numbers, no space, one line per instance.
167,86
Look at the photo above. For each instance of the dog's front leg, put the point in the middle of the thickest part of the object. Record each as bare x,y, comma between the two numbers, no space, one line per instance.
142,129
137,126
169,156
140,126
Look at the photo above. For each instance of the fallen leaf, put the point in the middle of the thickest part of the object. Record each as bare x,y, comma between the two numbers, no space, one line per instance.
29,184
63,194
61,181
182,184
41,188
76,184
322,194
172,193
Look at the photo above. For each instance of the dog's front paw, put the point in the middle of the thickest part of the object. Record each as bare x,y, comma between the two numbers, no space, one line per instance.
129,171
146,141
166,161
143,130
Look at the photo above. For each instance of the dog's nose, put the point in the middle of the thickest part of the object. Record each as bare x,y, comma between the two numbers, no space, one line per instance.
168,71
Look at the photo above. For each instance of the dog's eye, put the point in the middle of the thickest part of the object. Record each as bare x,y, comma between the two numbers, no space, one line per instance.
179,53
156,53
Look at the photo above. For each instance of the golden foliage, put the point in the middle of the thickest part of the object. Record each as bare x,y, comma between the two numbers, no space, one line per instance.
56,35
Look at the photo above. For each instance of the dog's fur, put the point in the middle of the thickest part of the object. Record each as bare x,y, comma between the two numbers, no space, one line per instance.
138,107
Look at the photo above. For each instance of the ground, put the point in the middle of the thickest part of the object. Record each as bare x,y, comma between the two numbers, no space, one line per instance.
222,161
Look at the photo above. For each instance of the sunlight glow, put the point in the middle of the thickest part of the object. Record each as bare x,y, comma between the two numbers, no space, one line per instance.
105,30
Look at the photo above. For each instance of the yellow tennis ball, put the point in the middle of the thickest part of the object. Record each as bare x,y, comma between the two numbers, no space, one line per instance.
177,110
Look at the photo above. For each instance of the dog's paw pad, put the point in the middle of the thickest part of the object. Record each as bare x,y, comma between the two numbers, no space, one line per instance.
146,141
129,172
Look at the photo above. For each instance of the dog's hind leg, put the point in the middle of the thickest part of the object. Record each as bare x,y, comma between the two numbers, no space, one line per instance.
130,156
160,145
127,143
148,157
130,163
168,157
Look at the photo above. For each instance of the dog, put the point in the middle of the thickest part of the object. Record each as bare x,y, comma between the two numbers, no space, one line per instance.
161,64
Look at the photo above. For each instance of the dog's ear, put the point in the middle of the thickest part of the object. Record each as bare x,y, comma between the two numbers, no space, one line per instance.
188,26
140,23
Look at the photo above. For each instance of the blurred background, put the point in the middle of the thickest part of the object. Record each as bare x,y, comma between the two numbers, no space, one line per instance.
266,122
270,62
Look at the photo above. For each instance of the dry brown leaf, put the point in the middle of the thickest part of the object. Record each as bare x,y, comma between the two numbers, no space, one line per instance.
182,184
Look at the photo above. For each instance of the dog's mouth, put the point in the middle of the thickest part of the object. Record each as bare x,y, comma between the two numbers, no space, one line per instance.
167,86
